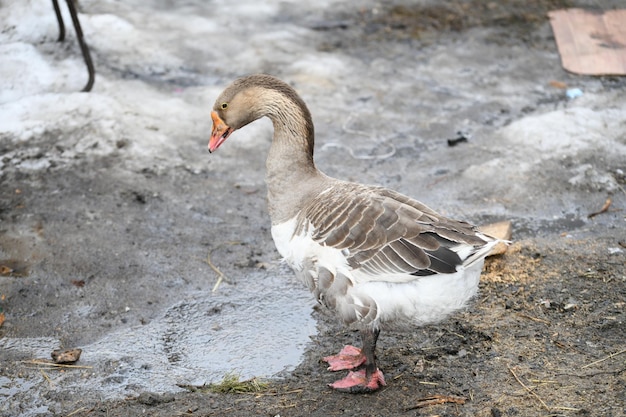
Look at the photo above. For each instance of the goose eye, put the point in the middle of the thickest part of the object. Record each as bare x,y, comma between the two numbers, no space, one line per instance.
224,106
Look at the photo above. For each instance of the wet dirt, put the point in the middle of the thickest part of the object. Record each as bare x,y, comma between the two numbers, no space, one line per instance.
545,337
98,238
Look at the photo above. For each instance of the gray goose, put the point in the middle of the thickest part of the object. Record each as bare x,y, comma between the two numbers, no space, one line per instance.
374,257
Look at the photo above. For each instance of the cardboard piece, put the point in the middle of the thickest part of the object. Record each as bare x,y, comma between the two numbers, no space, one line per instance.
500,230
591,42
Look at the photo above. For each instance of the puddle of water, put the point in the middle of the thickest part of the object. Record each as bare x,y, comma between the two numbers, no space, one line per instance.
8,408
259,328
22,394
17,396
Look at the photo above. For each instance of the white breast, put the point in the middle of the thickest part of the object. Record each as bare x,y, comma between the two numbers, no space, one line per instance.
299,249
415,301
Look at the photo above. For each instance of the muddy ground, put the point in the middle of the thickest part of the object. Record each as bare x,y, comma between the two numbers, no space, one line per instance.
538,342
95,238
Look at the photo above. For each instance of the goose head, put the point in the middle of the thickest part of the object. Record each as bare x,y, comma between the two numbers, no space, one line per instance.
252,97
233,109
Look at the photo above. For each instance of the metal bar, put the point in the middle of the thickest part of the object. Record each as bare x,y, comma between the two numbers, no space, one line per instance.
57,11
83,46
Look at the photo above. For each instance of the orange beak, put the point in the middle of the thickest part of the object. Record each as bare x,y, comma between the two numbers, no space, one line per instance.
221,131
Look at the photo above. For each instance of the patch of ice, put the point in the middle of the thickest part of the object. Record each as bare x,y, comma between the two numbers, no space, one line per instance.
587,176
23,72
319,69
30,21
113,36
196,341
565,132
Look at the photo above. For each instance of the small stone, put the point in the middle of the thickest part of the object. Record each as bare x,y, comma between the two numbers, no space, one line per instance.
66,355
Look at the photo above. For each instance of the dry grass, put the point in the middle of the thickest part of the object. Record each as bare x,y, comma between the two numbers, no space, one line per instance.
519,264
231,384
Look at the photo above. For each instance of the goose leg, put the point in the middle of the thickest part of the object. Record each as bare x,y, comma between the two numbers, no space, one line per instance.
350,357
364,380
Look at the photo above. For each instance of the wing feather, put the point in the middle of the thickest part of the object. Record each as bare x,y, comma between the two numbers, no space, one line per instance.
387,234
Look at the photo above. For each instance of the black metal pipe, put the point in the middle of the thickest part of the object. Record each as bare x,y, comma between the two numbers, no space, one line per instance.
57,11
81,40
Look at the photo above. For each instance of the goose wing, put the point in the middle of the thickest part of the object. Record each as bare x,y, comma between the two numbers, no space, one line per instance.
389,236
